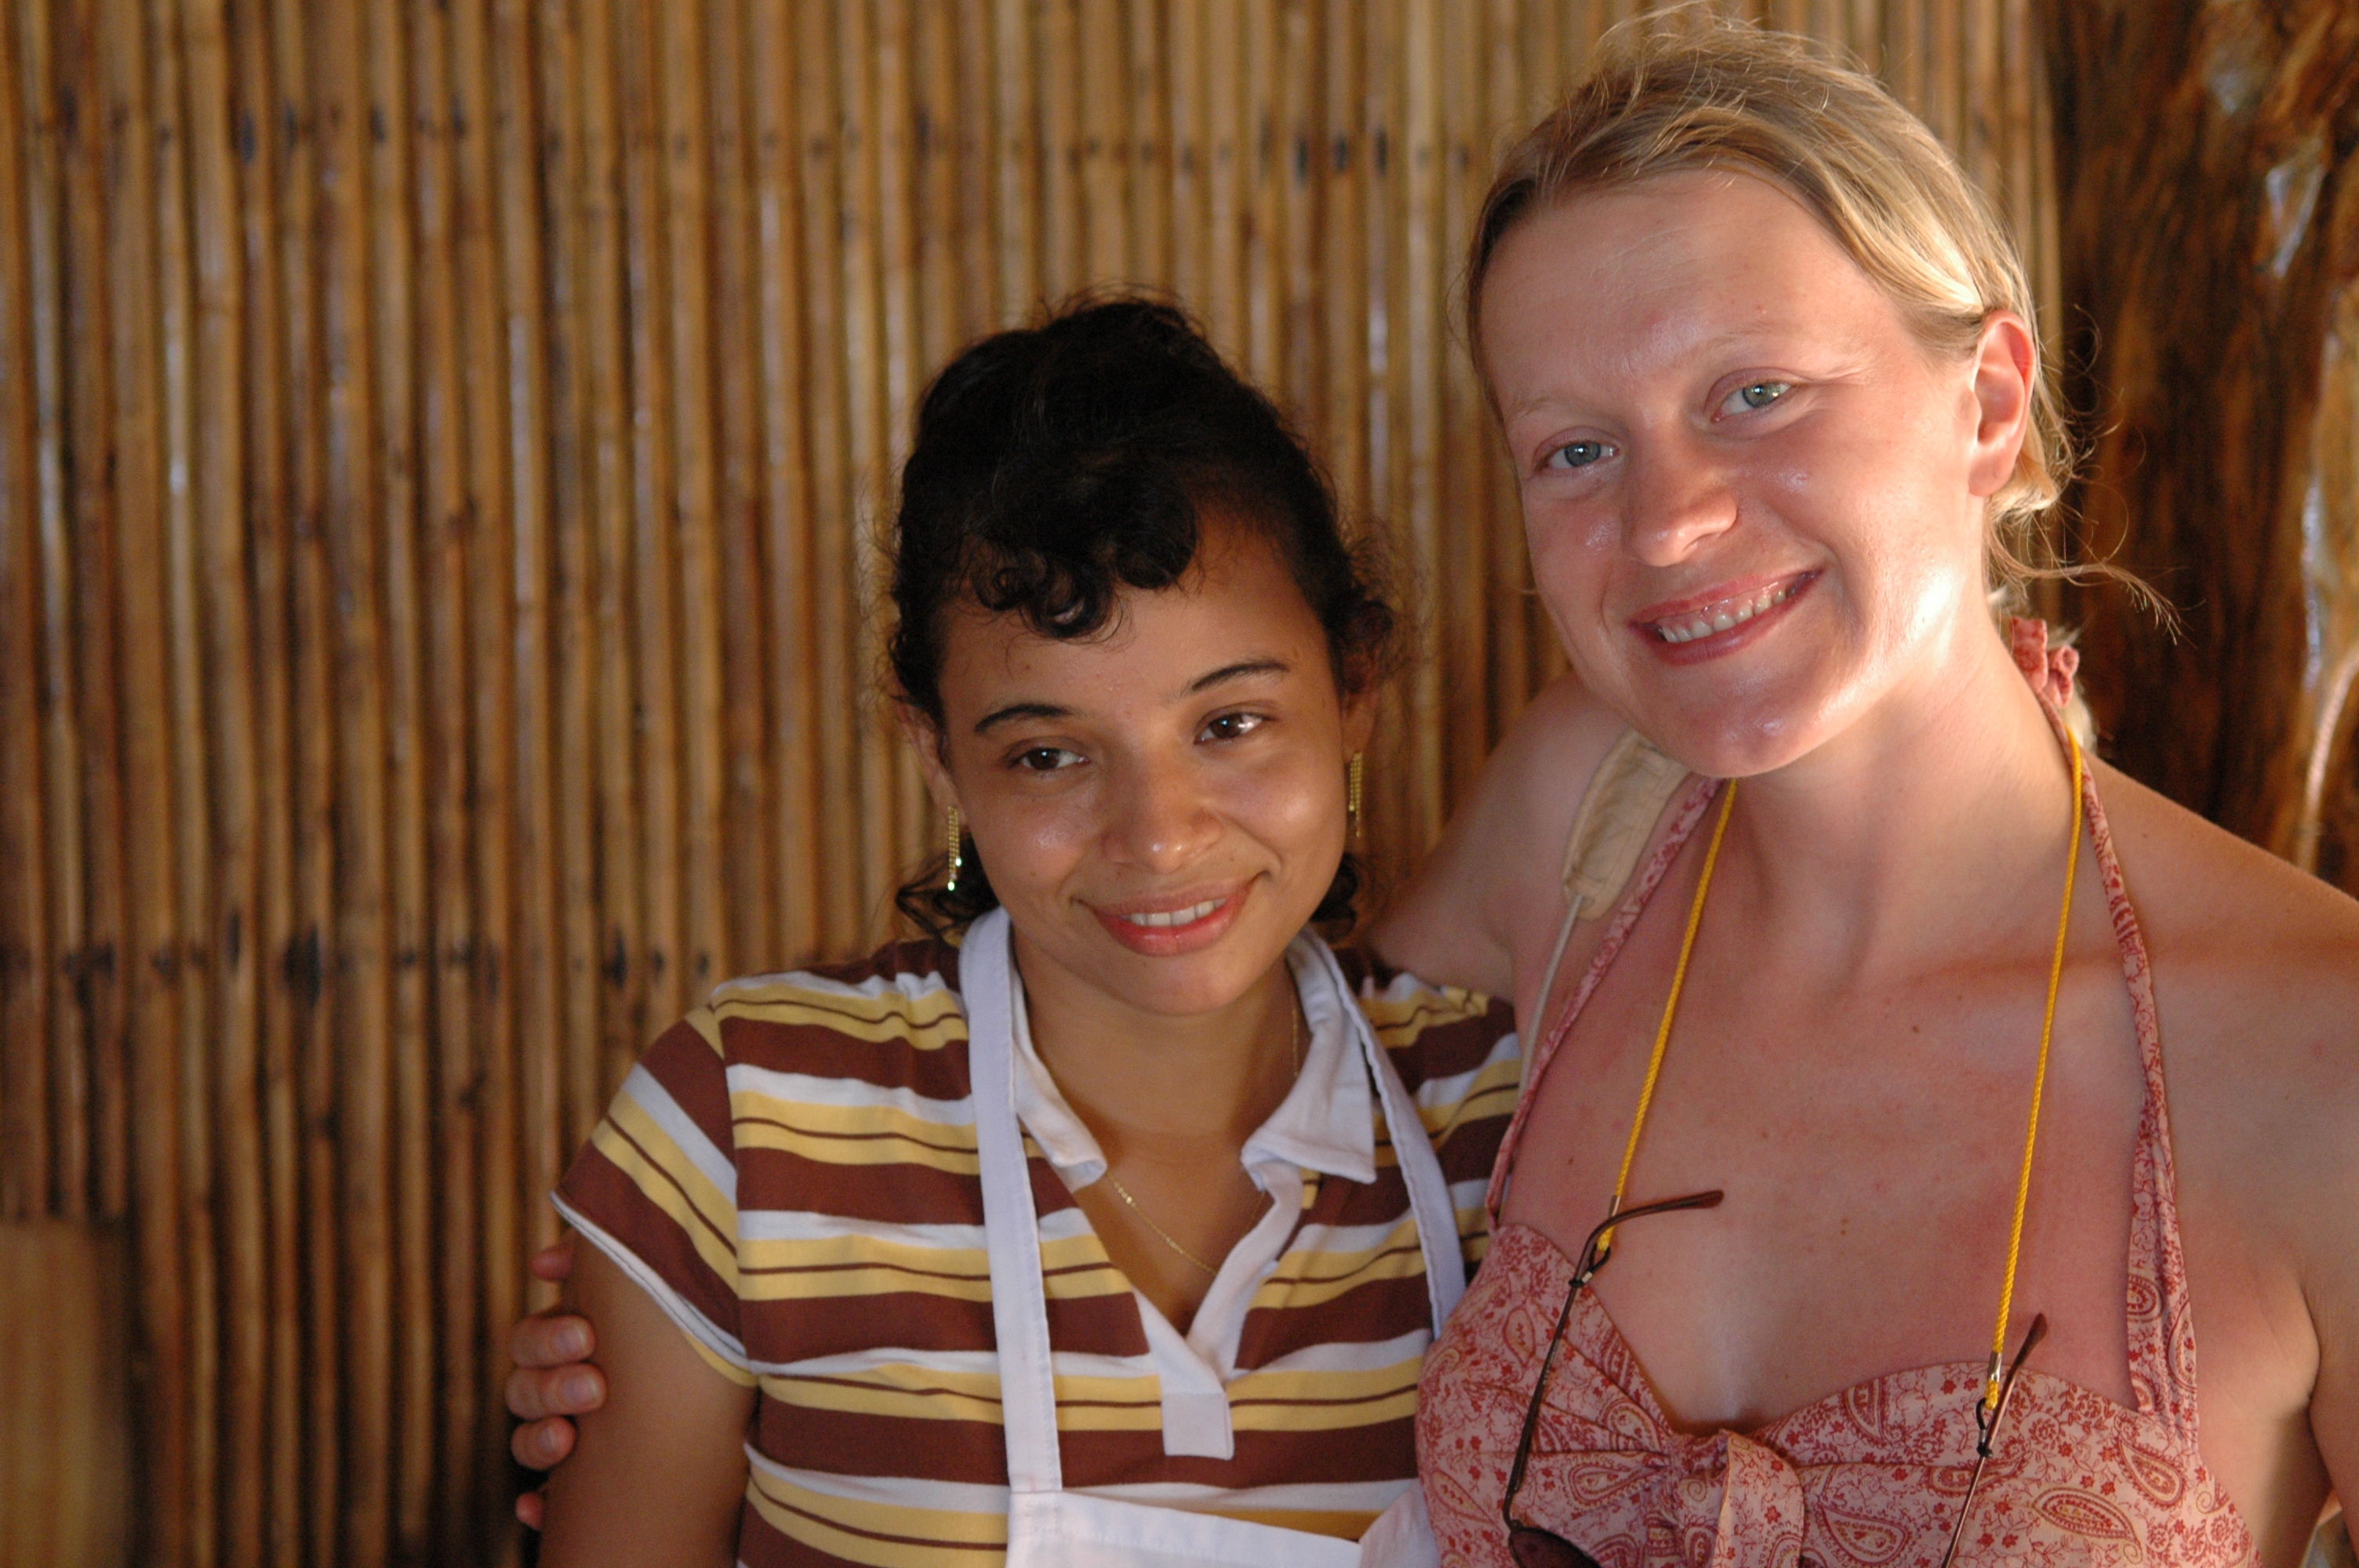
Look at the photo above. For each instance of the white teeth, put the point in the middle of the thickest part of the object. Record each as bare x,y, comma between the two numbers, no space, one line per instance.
1724,616
1187,916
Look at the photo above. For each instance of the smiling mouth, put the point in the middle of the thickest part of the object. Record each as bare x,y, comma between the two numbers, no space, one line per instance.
1726,615
1161,918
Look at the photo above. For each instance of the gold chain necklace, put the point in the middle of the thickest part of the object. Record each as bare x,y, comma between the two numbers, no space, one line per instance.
1294,1019
1992,1381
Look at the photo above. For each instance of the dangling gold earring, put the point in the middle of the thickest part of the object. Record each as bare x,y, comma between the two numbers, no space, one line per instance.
954,852
1351,792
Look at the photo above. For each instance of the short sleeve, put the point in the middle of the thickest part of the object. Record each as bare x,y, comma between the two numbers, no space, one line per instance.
655,1189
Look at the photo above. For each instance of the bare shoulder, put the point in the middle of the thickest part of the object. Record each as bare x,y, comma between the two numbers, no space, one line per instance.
1495,873
2256,978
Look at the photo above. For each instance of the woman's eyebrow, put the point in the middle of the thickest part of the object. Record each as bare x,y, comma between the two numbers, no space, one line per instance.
1238,671
1016,710
1051,711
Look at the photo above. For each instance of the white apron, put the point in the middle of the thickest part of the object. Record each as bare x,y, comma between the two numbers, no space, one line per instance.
1048,1527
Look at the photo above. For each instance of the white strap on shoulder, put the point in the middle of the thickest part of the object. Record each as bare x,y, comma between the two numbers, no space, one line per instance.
1626,798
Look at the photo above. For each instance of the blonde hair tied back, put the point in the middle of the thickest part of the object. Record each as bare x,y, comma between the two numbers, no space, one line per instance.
1721,94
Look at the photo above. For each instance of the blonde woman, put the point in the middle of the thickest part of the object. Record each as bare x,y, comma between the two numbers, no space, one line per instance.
2010,1075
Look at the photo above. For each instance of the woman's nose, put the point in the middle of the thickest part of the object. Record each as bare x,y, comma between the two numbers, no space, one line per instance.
1675,501
1161,820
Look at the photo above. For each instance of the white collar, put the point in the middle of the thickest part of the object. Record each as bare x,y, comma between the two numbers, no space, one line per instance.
1326,1123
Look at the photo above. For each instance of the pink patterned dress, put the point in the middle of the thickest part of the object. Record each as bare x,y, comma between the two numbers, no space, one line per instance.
1871,1476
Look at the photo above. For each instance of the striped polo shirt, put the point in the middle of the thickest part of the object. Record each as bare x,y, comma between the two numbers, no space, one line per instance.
791,1173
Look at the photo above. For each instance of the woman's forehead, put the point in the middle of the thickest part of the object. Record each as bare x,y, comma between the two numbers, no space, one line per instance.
1237,603
1617,280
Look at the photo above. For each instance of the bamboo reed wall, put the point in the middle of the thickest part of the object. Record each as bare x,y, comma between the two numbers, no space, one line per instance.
440,442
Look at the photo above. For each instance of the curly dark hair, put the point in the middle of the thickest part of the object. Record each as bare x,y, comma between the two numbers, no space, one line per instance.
1057,465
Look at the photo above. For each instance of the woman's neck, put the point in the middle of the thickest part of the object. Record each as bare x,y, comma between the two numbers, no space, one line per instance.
1931,823
1139,1080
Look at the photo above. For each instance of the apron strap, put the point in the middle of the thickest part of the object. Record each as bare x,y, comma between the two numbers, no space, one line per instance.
1019,1305
1428,1194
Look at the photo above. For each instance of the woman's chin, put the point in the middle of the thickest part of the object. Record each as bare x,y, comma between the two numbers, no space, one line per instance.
1743,737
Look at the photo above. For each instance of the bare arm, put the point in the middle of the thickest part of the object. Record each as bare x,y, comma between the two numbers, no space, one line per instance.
1492,890
658,1474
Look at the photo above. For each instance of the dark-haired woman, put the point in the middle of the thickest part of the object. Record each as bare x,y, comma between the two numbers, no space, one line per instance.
1116,1232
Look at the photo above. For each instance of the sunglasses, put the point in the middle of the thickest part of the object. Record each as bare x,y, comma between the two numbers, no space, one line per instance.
1532,1547
1529,1545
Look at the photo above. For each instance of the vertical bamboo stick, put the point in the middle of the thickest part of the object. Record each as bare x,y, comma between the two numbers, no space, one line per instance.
193,839
1503,77
266,502
1299,187
541,173
1344,249
1191,213
653,557
616,646
1392,779
498,220
571,654
1227,190
1261,215
81,1143
943,229
1054,63
1482,638
179,1517
981,288
1864,33
1425,280
29,1179
304,966
2039,187
443,1220
688,235
1108,147
772,89
1015,162
1147,35
392,259
223,702
899,253
861,241
834,483
361,981
744,900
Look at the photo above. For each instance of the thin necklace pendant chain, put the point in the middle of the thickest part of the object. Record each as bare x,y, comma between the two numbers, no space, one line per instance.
1992,1380
1294,1018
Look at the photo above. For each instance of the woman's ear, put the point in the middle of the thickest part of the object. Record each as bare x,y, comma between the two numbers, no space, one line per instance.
2007,371
925,738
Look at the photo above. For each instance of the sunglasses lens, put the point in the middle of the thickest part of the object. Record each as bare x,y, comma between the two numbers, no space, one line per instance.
1537,1549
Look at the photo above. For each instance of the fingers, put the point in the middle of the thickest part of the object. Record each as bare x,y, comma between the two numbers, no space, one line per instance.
542,1444
528,1509
554,1339
535,1395
554,1263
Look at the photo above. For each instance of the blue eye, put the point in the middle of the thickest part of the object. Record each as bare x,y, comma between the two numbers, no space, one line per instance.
1756,395
1578,454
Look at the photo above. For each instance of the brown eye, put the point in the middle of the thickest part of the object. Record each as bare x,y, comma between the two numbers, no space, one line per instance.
1044,760
1233,726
